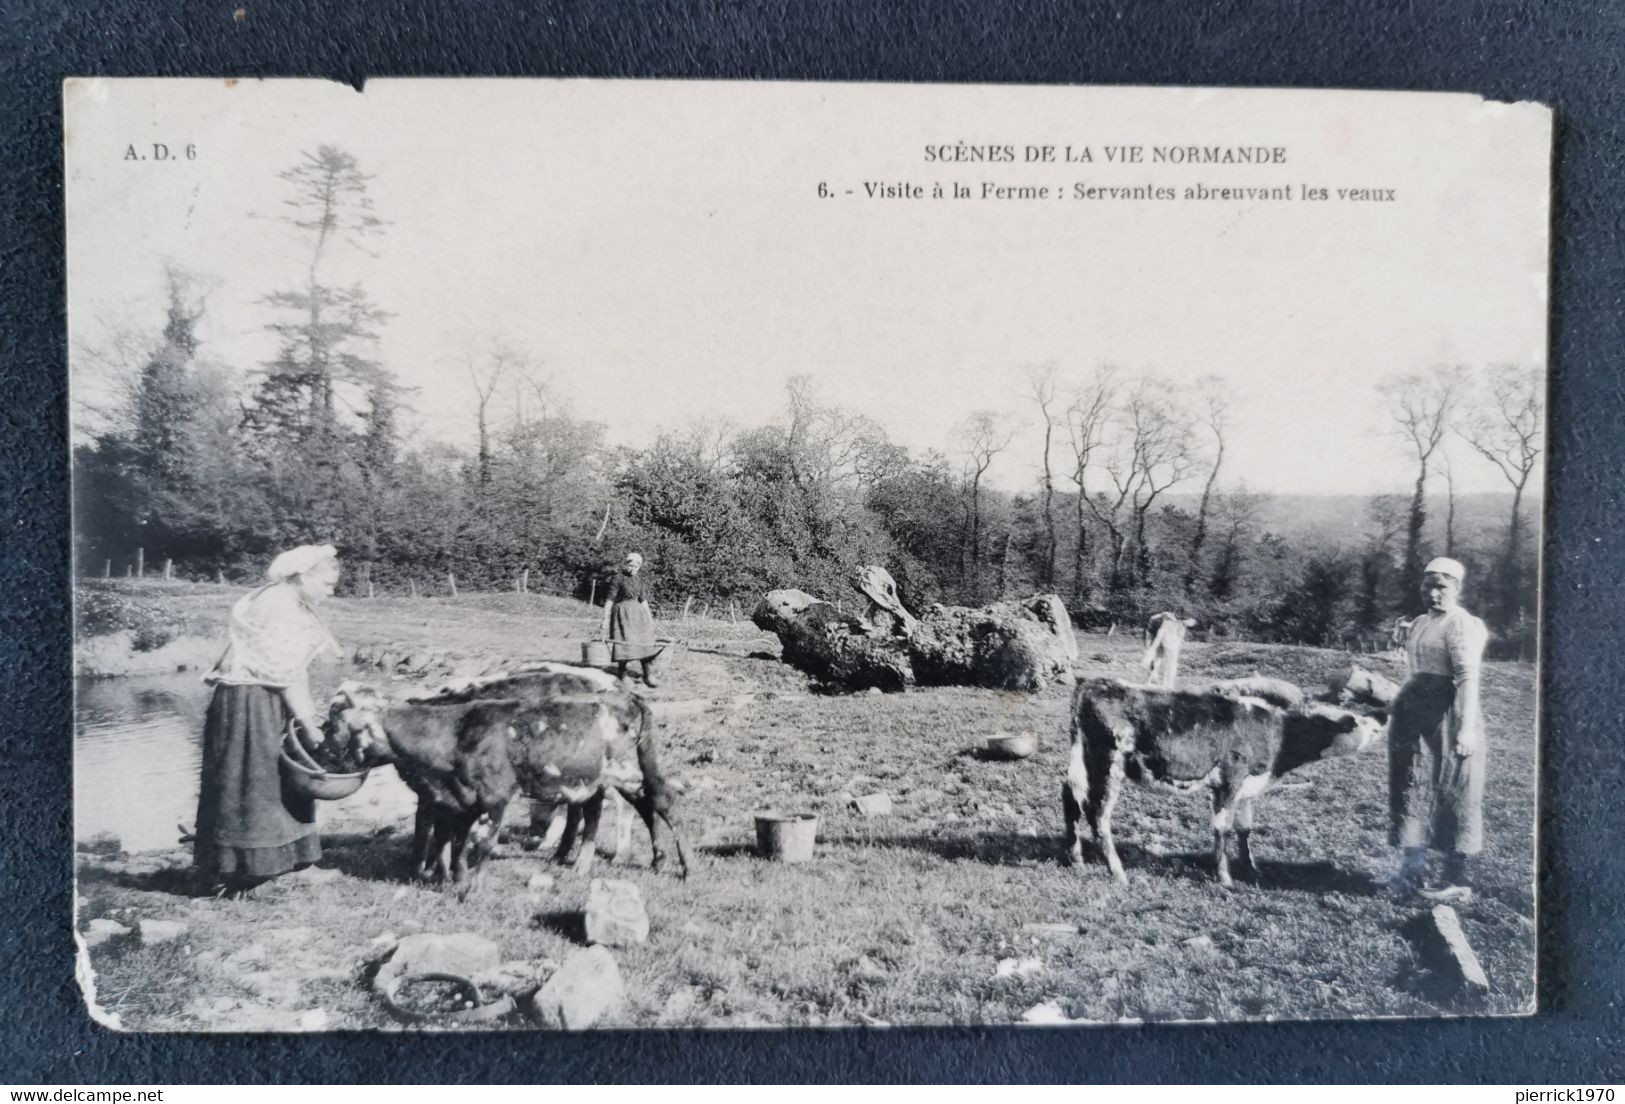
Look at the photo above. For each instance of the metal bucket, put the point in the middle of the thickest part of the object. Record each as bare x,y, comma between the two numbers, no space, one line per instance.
786,837
595,653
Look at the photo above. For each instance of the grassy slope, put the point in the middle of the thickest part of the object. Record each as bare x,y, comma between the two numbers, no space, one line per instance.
900,919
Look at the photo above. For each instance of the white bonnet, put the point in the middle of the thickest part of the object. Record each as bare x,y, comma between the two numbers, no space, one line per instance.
634,557
1444,565
297,561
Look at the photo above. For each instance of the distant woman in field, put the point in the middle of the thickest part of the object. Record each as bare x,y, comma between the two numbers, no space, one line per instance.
248,829
627,619
1436,747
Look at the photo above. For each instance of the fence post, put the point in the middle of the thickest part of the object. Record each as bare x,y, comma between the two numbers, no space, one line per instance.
107,569
452,579
141,563
219,577
129,571
413,583
686,606
524,582
369,589
592,595
169,568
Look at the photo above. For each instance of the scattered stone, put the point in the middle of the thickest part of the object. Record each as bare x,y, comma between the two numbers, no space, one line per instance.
867,969
615,915
1050,929
1030,832
681,1002
1049,1012
316,1019
289,937
462,953
1200,944
843,798
583,991
872,805
101,929
1454,954
540,881
388,938
517,979
160,931
1018,968
313,875
874,691
102,843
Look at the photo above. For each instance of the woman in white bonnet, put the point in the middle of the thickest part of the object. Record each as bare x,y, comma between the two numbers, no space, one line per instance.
627,618
248,830
1436,747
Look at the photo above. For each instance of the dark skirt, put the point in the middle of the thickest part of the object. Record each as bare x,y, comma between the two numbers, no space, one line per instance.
631,623
1435,797
247,827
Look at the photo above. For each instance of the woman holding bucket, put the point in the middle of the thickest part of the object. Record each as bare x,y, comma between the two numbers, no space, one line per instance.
628,624
249,829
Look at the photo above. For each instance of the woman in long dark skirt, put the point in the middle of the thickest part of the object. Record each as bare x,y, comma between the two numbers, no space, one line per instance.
627,618
248,828
1436,747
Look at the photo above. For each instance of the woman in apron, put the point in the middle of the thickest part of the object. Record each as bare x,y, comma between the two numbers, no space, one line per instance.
1436,746
627,619
248,828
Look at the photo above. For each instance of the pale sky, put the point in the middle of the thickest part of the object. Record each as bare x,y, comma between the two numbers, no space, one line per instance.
661,249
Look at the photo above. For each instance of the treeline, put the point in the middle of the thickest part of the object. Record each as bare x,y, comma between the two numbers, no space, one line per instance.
215,467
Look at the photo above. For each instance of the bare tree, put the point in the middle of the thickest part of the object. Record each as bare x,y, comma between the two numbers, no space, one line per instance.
1505,427
1449,502
1421,406
1235,513
1215,399
982,436
1086,419
1042,381
485,386
1151,452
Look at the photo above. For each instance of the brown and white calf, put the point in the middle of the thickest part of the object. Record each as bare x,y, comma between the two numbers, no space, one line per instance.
1234,746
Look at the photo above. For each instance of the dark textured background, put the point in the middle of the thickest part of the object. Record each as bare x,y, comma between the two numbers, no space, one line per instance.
1563,53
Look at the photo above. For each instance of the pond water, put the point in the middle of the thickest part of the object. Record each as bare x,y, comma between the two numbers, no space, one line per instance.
137,745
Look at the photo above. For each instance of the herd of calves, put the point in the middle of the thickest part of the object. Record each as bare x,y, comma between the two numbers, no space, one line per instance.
566,736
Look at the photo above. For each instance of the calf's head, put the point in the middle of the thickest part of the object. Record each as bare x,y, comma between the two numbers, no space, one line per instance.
1312,732
354,717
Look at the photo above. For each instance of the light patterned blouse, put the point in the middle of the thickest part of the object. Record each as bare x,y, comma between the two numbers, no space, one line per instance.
274,636
1450,643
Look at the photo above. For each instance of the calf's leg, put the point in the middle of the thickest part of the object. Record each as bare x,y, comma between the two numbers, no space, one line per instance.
1223,815
570,836
1074,792
656,799
1244,831
591,810
1103,820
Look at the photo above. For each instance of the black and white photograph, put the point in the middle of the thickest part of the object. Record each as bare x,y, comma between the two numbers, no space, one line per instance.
605,554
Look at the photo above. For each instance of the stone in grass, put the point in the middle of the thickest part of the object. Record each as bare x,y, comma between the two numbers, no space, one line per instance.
1453,954
583,991
1049,1012
540,881
160,931
462,953
872,805
615,915
101,929
1018,968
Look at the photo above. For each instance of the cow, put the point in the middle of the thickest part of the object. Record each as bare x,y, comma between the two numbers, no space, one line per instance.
466,760
1233,745
1164,635
560,824
454,756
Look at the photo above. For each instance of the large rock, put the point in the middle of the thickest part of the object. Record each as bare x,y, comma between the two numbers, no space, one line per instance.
160,931
830,646
615,915
101,930
462,953
1004,646
583,991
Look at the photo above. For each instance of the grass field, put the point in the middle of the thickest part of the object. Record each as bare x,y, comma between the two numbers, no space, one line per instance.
901,919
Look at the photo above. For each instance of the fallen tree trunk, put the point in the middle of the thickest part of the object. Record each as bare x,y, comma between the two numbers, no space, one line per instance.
831,646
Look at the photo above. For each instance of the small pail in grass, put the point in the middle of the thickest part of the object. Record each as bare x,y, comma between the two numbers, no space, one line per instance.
786,837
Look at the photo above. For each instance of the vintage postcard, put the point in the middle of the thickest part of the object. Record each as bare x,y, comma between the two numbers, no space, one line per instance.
570,554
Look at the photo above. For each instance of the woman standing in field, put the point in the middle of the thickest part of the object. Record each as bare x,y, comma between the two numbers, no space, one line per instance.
248,828
1436,747
627,619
